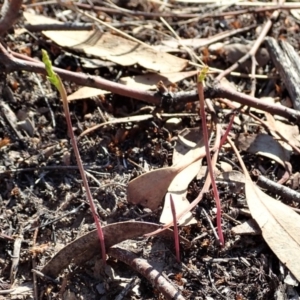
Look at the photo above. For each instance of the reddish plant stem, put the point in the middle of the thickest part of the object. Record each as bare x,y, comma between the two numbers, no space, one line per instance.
10,12
11,64
204,190
264,123
143,267
82,172
224,137
176,233
209,161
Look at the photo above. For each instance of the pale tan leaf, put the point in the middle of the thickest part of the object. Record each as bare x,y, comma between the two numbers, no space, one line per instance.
235,51
86,92
183,153
249,227
150,188
111,47
87,246
195,43
236,180
187,139
181,203
271,121
280,226
225,166
149,81
265,145
290,132
185,150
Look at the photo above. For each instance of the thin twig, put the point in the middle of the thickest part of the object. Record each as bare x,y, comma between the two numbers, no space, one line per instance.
274,187
254,48
45,277
11,64
73,211
56,27
114,11
143,267
213,285
176,233
15,258
191,52
10,12
133,282
6,237
5,292
33,258
46,99
210,224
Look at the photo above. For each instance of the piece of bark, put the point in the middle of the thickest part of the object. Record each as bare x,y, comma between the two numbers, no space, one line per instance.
274,187
286,61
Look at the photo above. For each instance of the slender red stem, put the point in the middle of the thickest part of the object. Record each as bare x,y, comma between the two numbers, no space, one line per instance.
224,137
209,161
176,233
82,172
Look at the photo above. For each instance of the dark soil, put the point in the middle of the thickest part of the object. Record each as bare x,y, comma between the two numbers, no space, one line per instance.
42,200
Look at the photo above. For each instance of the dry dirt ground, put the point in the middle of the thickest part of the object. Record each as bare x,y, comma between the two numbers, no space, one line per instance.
43,204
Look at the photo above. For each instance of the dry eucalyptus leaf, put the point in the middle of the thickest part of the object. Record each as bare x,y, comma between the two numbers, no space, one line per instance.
181,203
235,180
179,185
280,226
290,132
149,189
233,52
183,153
225,166
265,145
88,245
111,47
149,81
86,92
